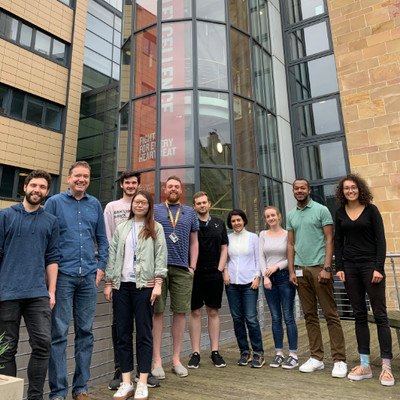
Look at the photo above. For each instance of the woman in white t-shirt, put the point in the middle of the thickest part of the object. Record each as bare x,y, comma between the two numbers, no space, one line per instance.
278,291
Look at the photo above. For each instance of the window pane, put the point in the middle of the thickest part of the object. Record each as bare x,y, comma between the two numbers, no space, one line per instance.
35,110
111,118
115,72
89,147
7,182
8,27
177,146
97,44
97,62
273,147
144,133
147,182
265,41
107,190
254,19
249,200
91,125
217,183
323,161
123,140
17,104
108,167
100,12
94,187
117,22
93,104
263,140
42,43
211,42
176,9
244,133
214,132
67,2
266,193
302,9
238,14
308,41
127,21
269,91
318,118
145,73
53,117
176,55
110,141
146,13
278,196
3,99
112,98
187,177
117,39
241,63
211,9
125,72
99,27
58,52
258,74
313,78
93,79
95,164
325,195
26,36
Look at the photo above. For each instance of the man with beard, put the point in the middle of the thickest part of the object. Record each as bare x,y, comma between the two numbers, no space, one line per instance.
29,259
180,228
81,221
310,251
208,282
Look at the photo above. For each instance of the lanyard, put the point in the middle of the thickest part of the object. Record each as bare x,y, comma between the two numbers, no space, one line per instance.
134,241
209,219
173,222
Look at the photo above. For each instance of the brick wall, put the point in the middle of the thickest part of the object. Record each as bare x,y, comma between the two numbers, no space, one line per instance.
366,39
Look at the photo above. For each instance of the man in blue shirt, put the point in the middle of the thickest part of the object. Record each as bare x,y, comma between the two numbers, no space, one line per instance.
81,221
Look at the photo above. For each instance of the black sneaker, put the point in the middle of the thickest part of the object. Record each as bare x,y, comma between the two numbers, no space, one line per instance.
245,358
194,361
152,381
258,361
217,359
277,361
290,363
116,381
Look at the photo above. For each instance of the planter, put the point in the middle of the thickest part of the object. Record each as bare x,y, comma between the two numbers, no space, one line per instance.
11,388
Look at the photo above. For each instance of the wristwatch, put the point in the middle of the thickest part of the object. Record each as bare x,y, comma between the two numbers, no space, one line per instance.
328,269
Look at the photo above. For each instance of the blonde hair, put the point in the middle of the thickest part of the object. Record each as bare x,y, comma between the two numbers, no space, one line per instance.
277,213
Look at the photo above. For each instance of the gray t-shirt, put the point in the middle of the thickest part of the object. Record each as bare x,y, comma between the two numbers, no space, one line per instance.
273,251
115,213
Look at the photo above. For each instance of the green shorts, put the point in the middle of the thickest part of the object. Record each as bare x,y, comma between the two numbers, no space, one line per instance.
179,282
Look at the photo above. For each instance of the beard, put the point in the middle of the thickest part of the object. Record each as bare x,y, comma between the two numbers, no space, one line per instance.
28,197
173,197
202,212
130,194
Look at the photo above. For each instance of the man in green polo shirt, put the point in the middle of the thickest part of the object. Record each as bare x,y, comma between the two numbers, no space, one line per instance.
310,251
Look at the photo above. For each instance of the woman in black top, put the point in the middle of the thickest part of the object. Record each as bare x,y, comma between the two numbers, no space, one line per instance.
360,252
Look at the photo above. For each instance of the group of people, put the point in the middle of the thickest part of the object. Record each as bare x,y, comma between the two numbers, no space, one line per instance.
48,271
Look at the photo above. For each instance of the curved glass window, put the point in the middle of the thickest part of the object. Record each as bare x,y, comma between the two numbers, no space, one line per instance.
211,9
238,14
146,13
125,71
241,76
249,200
297,10
173,9
273,146
262,133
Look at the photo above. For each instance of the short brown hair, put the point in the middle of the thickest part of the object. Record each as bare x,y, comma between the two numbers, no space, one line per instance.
200,194
175,178
38,173
277,212
129,174
77,164
365,196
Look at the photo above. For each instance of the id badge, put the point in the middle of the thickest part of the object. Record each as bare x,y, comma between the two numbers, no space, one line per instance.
132,277
299,273
173,237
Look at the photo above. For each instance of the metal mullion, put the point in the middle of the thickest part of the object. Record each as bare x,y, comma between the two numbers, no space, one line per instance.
306,22
242,96
157,188
143,96
144,28
330,96
215,166
241,30
213,21
320,139
312,57
205,89
184,166
15,183
25,107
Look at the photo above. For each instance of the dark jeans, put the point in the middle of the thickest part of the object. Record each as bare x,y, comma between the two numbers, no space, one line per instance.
37,317
114,340
280,301
358,282
243,305
131,303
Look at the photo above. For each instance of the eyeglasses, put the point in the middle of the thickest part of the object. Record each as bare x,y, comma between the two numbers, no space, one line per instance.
140,203
347,188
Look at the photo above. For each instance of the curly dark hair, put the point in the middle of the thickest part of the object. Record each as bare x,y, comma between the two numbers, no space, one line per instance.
365,196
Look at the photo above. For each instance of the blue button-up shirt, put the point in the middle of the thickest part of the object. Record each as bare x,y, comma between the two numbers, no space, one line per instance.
81,223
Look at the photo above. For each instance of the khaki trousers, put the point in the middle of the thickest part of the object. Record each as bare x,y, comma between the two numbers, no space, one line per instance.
310,290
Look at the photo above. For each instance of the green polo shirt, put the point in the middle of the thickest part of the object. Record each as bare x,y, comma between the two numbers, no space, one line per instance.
309,238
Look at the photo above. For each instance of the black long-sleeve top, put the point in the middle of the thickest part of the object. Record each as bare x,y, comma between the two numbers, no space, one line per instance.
360,240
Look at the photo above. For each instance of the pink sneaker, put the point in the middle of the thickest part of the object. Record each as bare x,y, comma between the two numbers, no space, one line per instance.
358,373
386,378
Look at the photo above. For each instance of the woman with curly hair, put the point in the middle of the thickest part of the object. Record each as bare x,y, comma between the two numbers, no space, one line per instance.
360,252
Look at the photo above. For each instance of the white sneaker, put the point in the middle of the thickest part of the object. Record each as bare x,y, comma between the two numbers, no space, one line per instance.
125,391
311,365
339,370
142,392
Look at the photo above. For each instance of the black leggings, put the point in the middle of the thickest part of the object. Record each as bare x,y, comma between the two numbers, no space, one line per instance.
358,282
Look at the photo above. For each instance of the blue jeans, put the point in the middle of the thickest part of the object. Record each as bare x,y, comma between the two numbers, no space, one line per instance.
79,294
243,305
280,300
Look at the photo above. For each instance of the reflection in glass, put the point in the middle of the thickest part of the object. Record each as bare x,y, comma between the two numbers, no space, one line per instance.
313,78
127,20
110,141
217,183
176,70
34,110
100,12
241,75
90,147
3,99
146,13
249,200
123,140
244,133
97,62
266,193
58,52
125,72
323,161
91,125
211,42
17,104
117,39
177,146
269,90
93,104
238,14
278,196
53,117
99,27
254,19
95,164
187,178
107,190
145,73
318,118
211,9
325,194
264,25
297,10
42,43
144,134
7,182
258,74
8,26
310,40
214,132
26,36
273,147
173,9
97,44
263,152
147,182
94,187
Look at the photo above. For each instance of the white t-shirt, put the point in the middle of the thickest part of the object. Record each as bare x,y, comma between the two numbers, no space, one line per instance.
129,267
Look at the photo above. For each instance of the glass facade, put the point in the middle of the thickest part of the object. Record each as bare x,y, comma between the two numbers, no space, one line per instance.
197,101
